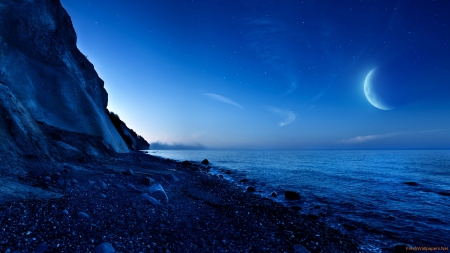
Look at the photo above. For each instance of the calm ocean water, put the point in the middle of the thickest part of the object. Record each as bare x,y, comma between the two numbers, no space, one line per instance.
360,191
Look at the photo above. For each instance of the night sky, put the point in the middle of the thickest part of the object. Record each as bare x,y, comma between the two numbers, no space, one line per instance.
274,74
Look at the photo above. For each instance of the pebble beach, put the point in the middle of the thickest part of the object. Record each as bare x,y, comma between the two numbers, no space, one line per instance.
140,203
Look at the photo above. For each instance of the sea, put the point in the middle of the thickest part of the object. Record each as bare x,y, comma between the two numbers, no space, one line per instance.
384,197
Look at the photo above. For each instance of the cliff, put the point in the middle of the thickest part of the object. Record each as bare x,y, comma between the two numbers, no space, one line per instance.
45,78
42,66
133,140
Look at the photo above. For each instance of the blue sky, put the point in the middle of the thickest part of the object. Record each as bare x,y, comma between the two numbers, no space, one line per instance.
273,74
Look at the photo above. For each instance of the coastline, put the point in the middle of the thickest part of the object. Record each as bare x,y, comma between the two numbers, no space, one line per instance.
204,213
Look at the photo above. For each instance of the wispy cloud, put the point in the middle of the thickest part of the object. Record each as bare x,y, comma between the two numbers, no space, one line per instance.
222,99
288,115
174,146
367,138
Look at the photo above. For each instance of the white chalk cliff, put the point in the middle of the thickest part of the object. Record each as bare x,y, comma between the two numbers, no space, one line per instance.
44,77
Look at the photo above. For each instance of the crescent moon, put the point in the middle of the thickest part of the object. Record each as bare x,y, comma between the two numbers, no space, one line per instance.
371,95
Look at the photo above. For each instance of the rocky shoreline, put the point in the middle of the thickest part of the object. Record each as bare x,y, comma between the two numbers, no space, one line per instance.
141,203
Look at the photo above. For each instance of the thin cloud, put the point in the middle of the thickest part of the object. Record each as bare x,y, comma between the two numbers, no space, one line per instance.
288,115
175,146
367,138
222,99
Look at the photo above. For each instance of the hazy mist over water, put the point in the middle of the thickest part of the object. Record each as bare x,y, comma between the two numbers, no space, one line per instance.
363,188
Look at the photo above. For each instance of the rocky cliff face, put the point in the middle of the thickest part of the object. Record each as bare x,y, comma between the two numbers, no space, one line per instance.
133,140
50,80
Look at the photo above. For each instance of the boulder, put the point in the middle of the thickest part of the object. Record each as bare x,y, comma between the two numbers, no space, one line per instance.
228,172
83,215
186,163
411,183
251,189
401,248
273,194
133,188
444,193
149,199
244,180
158,193
205,162
104,247
128,172
148,181
291,195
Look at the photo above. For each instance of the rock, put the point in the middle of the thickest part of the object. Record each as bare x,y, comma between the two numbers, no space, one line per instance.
133,188
228,172
104,247
349,226
148,181
103,196
411,183
149,199
300,249
244,180
74,181
312,216
65,212
174,178
205,162
158,193
251,189
120,186
47,178
128,172
102,184
401,248
273,194
444,193
41,248
220,176
83,215
291,195
186,163
61,182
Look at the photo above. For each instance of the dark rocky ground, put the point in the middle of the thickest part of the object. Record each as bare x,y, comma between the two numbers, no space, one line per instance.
204,213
